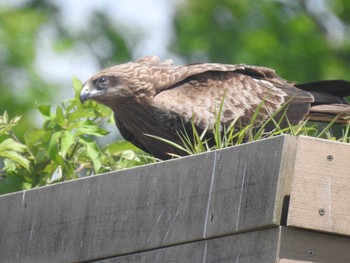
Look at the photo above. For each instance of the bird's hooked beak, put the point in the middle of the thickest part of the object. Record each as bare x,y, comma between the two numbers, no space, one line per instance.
84,94
88,92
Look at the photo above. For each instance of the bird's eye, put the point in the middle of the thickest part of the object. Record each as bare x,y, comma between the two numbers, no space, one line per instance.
102,81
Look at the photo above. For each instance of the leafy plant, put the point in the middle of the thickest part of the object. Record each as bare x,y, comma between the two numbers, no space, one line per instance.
63,148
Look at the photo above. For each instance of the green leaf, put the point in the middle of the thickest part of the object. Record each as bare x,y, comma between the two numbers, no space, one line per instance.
118,147
67,140
77,85
93,153
103,110
5,118
11,183
10,144
128,155
60,119
91,129
34,136
26,186
15,120
53,147
45,110
80,114
9,166
17,158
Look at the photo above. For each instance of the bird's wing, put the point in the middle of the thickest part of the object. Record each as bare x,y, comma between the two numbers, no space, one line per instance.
154,60
196,92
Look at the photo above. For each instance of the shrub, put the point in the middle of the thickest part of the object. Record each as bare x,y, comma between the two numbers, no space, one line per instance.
63,148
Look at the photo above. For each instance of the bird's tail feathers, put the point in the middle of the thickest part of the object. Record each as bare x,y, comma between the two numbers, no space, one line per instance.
329,100
339,88
328,112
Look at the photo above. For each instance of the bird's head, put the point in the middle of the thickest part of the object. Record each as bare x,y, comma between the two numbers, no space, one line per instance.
104,87
119,83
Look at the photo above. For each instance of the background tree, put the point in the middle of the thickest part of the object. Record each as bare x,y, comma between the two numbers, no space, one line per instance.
21,30
20,84
301,43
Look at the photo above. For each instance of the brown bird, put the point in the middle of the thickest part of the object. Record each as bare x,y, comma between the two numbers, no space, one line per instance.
150,97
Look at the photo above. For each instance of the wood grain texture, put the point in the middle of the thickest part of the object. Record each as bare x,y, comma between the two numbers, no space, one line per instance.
282,244
250,247
179,201
246,186
298,245
197,208
320,198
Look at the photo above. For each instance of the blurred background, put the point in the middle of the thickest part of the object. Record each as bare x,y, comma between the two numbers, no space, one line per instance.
45,43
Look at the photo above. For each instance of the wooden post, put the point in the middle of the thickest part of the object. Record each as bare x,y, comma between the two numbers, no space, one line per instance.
320,197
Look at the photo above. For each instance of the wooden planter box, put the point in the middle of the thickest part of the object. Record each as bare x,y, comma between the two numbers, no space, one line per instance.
285,199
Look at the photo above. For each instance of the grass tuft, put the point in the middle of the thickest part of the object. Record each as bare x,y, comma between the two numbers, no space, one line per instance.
236,133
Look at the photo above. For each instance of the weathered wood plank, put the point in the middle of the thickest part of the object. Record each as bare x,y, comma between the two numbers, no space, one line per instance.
283,244
248,187
192,198
249,247
121,212
49,223
298,245
320,198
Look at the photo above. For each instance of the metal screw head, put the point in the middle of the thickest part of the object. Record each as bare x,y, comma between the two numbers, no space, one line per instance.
329,158
322,211
211,218
311,253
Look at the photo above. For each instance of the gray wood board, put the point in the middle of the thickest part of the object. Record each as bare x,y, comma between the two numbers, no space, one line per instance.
283,244
172,202
298,245
249,247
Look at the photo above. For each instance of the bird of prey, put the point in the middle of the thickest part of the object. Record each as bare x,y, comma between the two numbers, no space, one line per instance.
151,97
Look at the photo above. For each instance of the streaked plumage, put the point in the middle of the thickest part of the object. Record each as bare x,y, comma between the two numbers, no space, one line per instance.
158,98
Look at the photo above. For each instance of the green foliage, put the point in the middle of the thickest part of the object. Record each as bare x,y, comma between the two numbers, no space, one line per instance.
277,34
21,33
63,148
20,84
